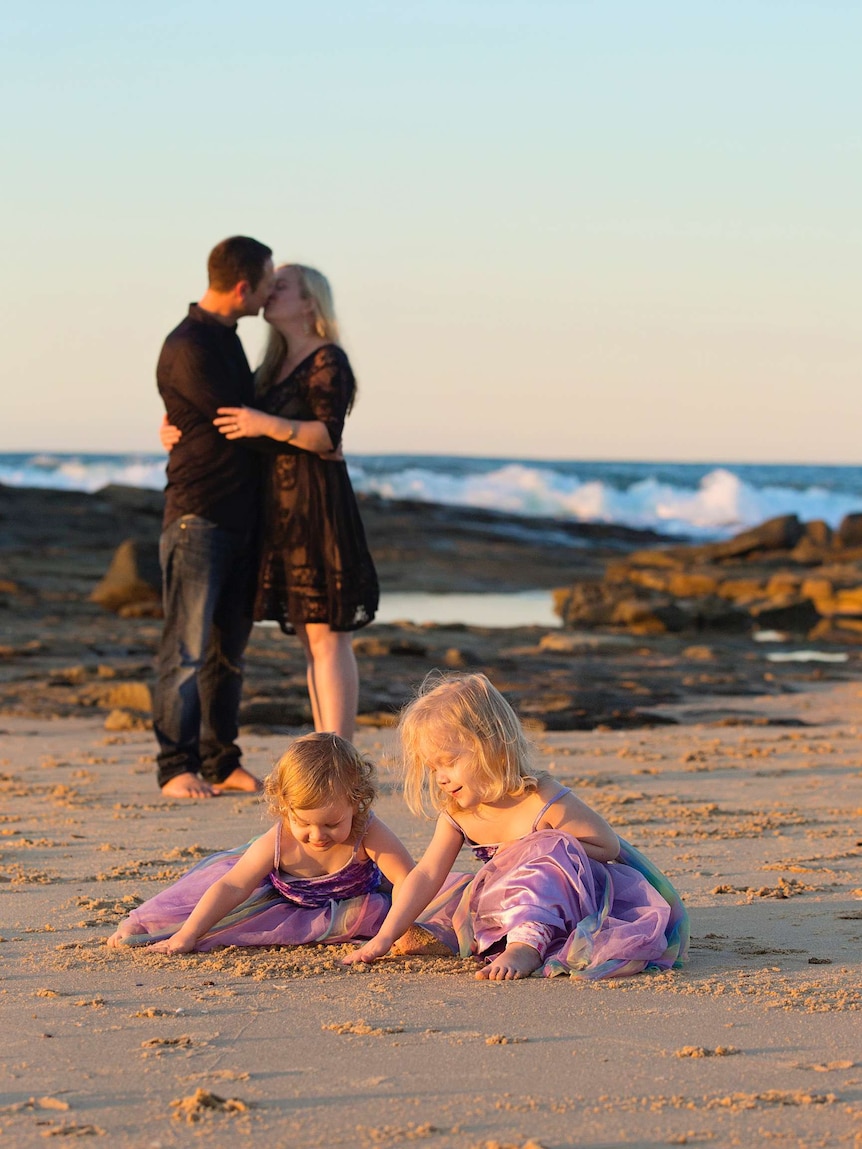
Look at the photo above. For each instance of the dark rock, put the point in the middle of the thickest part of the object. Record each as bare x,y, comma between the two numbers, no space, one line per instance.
650,578
378,718
848,600
133,499
741,589
127,696
798,617
807,552
379,648
148,609
819,533
699,653
670,558
850,531
779,534
122,720
715,615
587,603
134,576
842,630
785,584
641,616
269,712
692,584
456,658
818,589
568,642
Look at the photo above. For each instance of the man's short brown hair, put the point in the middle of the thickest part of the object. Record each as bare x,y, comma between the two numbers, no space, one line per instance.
235,259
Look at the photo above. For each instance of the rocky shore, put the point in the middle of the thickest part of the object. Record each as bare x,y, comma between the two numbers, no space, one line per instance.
650,627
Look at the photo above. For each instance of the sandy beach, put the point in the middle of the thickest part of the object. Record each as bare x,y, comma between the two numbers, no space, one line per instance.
741,780
755,1042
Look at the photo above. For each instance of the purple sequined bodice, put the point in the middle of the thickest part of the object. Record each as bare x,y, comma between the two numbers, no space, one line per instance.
486,853
352,880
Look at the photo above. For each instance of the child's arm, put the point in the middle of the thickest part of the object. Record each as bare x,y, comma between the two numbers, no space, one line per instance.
389,852
223,896
415,892
591,830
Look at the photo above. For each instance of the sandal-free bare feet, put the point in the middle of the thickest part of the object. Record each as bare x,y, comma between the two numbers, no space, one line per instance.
239,780
188,785
418,940
124,930
516,961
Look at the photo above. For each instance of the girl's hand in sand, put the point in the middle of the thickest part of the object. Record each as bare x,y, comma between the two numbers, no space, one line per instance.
243,422
177,944
169,435
368,952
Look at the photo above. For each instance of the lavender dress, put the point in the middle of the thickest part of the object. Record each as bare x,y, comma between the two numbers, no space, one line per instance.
587,919
283,910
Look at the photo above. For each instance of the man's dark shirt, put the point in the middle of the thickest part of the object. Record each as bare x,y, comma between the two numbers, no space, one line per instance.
203,367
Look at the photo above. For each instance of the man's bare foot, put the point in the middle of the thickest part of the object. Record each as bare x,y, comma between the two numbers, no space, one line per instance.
125,929
418,940
188,785
516,961
241,780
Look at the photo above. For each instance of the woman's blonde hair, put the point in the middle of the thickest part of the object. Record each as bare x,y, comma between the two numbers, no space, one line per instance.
319,769
313,285
462,714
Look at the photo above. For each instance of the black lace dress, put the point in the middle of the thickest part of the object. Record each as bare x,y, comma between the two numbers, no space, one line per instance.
315,563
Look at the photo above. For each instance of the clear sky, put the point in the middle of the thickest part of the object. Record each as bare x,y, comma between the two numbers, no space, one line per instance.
554,228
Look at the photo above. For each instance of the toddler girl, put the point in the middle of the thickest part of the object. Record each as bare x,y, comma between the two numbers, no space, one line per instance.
559,892
315,876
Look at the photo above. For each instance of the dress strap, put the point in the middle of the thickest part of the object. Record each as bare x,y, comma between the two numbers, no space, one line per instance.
559,794
359,841
277,858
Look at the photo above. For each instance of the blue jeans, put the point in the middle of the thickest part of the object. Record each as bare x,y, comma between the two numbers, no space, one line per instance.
208,582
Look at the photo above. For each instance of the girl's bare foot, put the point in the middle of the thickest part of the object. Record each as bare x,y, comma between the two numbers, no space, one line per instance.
188,785
125,929
241,780
418,940
516,961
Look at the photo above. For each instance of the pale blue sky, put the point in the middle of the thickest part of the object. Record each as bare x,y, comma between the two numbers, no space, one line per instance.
607,230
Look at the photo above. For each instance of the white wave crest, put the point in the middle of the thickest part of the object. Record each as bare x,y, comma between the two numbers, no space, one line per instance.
721,504
80,473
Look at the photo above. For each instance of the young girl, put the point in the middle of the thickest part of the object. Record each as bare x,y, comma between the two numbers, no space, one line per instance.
315,876
559,891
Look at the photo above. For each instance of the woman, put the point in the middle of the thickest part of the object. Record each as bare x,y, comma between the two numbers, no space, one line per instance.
317,578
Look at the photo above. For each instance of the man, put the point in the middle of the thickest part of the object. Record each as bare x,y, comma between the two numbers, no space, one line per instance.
208,547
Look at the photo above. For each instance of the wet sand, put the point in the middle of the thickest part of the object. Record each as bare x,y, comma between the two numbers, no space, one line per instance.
756,1042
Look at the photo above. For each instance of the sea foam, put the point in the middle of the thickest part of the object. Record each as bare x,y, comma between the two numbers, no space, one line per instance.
683,500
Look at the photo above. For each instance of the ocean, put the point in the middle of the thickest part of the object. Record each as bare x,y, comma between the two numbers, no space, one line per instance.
685,500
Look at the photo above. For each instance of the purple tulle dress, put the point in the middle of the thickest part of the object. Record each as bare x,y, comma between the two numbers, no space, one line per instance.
587,919
283,910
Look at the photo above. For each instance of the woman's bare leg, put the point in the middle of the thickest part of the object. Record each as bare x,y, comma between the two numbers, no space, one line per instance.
333,679
302,635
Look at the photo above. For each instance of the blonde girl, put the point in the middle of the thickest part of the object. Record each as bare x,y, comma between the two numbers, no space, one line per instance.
558,892
321,873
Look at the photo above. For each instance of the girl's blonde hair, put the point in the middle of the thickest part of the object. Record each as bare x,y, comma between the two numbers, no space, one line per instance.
313,285
319,769
463,714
